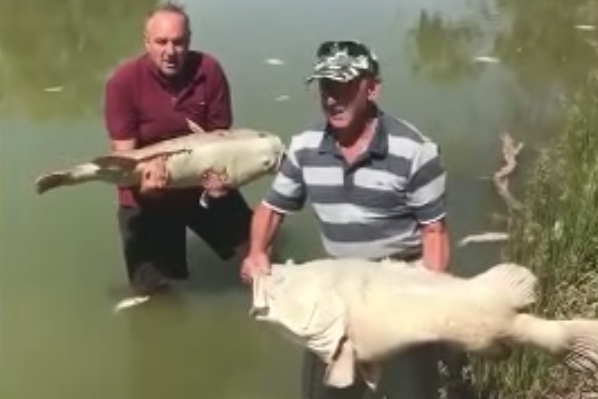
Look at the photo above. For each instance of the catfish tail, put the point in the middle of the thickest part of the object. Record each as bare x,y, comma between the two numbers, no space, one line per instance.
51,181
575,341
581,353
516,282
79,174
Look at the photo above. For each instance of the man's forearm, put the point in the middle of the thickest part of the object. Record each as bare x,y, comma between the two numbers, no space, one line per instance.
435,246
123,145
264,226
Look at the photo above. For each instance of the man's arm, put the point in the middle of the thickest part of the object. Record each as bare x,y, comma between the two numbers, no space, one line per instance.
427,199
120,117
287,195
220,114
120,120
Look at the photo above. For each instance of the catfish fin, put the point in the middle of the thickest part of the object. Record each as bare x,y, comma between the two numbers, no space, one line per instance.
371,373
203,200
194,127
517,282
112,161
340,372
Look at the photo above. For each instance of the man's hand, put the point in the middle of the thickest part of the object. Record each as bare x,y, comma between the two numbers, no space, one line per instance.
154,175
215,184
254,264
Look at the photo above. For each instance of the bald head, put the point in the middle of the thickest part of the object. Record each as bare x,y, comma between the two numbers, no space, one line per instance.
167,37
167,12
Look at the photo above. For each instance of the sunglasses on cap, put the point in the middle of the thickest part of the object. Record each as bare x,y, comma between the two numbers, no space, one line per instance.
351,48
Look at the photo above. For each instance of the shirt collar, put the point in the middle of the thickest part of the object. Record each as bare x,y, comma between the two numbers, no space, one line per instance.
377,147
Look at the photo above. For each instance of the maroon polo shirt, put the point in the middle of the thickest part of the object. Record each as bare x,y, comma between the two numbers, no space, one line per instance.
140,104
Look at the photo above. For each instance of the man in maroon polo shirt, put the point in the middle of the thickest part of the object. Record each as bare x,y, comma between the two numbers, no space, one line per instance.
147,99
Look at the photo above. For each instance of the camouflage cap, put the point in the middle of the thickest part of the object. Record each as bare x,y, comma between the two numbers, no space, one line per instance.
344,61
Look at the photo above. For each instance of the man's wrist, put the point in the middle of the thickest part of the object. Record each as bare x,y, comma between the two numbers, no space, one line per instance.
257,248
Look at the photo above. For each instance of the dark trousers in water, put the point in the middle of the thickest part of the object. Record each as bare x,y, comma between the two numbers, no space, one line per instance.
154,235
410,375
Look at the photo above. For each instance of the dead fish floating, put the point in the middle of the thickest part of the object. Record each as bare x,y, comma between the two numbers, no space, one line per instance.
587,28
486,59
240,156
354,312
130,302
490,236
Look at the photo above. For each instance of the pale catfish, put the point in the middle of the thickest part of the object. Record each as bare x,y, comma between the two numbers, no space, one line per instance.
237,156
359,312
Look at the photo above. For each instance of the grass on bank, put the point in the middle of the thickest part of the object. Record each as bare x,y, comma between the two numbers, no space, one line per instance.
556,235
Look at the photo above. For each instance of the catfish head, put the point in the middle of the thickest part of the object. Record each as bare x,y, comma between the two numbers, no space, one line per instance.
251,154
305,310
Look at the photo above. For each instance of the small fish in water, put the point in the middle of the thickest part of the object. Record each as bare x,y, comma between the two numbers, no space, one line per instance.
130,302
274,61
484,237
588,28
486,59
283,97
238,157
352,312
54,89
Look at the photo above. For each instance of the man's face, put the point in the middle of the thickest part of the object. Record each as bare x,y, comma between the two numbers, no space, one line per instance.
344,103
167,42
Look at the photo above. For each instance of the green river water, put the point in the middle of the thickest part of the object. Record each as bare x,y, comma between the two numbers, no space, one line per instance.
60,261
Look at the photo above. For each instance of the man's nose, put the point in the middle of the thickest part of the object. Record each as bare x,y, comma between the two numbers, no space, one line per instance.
331,99
169,48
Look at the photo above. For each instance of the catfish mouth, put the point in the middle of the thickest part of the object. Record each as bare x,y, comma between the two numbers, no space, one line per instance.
257,312
279,161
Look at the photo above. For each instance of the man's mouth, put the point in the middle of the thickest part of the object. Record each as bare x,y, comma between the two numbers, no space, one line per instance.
336,110
170,64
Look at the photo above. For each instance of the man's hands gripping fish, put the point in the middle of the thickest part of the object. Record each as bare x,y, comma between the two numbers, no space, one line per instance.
154,176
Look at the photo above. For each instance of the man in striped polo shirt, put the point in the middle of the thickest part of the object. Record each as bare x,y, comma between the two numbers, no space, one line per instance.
377,188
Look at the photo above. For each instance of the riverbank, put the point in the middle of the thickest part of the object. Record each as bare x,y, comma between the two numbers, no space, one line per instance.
554,231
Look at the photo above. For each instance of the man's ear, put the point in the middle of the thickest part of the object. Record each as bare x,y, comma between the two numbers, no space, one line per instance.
373,89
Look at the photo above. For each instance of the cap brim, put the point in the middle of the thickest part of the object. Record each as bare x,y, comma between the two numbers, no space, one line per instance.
331,75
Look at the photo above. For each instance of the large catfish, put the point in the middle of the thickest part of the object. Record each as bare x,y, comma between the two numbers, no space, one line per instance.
357,312
238,156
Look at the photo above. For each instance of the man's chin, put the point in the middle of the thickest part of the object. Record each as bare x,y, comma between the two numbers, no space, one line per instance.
339,122
169,71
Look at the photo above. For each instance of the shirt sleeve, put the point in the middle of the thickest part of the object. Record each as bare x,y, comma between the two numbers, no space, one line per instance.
287,193
426,189
220,114
120,116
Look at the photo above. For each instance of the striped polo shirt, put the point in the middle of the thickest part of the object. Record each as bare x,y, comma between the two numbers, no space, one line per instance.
372,207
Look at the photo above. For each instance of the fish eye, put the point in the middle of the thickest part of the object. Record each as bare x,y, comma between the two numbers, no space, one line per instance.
267,162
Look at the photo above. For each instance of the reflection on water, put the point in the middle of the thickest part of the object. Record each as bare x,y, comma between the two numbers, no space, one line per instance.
70,46
540,44
60,259
443,49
